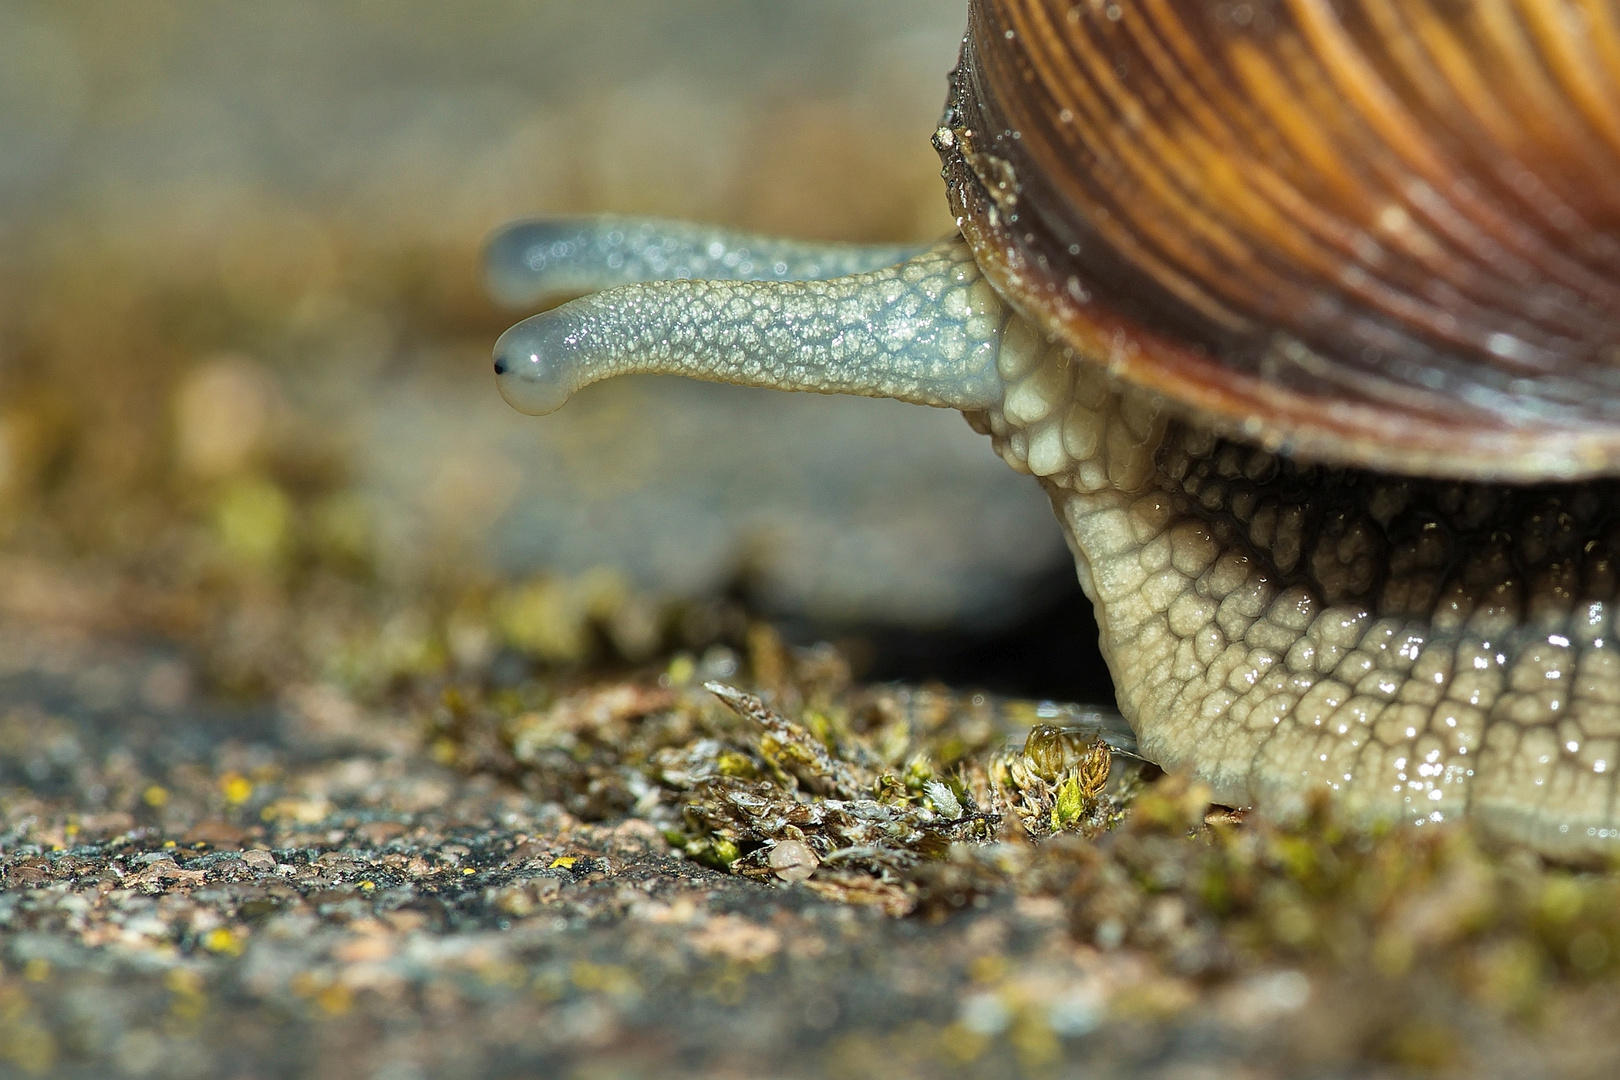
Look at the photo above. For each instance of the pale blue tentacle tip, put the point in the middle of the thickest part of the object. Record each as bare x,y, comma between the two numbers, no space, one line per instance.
527,368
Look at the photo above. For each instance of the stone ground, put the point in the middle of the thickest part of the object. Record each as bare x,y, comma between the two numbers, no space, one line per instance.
302,890
302,887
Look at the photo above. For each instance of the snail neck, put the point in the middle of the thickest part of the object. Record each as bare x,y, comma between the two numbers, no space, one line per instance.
1092,441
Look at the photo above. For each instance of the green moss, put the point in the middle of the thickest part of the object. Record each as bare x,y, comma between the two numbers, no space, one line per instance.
733,763
1069,804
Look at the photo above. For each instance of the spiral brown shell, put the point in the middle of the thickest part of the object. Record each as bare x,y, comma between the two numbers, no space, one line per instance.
1372,232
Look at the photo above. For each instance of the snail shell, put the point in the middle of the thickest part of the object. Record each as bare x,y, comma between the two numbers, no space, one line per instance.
1381,232
1303,313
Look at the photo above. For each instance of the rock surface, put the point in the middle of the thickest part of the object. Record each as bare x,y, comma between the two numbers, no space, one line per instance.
308,889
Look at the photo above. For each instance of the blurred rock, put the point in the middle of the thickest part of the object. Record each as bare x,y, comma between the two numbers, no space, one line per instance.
222,413
840,508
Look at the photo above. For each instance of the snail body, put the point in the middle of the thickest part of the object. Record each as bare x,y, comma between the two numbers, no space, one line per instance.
1326,415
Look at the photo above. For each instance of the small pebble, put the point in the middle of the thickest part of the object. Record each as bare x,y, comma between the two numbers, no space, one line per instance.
793,861
259,860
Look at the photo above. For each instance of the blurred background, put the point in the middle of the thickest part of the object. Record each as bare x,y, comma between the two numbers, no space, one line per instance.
244,386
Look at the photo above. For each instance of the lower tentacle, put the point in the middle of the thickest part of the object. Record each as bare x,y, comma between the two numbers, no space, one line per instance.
928,331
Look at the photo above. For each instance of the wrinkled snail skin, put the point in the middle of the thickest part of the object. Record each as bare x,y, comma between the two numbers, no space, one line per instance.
1399,619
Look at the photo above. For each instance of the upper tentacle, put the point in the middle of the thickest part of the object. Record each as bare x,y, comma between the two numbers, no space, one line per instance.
529,261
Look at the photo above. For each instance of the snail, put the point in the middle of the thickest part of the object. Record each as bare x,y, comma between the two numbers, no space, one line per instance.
1306,315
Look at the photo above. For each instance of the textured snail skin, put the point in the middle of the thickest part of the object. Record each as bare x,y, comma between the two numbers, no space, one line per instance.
1412,649
925,331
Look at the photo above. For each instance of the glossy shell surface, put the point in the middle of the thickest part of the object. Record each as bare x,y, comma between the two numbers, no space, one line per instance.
1382,233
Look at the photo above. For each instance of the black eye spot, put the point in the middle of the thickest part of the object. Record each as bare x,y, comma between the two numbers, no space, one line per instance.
500,366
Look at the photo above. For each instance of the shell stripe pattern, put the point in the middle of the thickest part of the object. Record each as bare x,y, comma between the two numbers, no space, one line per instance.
1379,232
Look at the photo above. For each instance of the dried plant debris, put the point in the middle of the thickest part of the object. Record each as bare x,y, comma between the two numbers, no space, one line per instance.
851,825
845,790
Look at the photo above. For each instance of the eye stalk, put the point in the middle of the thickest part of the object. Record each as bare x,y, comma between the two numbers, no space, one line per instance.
927,330
549,258
533,362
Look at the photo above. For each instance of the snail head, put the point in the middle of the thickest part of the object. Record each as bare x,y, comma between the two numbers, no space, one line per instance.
1306,322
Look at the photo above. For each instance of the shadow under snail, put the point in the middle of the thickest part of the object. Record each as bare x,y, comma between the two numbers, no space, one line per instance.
1306,314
